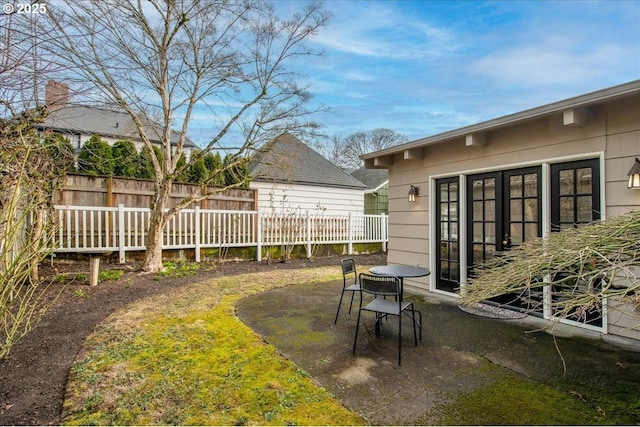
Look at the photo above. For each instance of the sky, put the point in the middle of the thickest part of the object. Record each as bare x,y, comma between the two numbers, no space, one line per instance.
425,67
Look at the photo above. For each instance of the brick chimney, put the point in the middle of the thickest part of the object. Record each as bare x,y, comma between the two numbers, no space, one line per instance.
57,94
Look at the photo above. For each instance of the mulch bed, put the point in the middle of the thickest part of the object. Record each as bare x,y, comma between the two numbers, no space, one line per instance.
34,375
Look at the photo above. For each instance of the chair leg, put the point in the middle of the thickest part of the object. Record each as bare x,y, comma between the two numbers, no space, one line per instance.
400,340
339,304
355,339
419,320
353,294
413,318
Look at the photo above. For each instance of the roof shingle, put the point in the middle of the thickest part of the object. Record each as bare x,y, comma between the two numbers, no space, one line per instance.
286,159
102,121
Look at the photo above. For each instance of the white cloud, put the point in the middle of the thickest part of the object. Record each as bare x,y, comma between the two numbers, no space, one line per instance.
381,30
542,65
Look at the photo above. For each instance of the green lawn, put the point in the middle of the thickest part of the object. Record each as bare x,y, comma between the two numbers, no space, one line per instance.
185,358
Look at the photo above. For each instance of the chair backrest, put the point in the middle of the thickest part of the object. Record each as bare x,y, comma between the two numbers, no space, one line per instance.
349,267
380,285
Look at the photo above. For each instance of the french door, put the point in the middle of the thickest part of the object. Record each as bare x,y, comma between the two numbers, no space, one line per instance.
504,209
447,236
575,200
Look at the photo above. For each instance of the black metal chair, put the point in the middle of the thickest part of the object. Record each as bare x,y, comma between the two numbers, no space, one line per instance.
380,287
348,269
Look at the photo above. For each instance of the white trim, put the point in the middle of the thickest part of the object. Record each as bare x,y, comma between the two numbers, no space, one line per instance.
538,162
432,234
374,190
462,231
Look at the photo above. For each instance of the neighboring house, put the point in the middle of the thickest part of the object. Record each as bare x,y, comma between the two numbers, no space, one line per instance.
290,176
485,187
81,122
376,196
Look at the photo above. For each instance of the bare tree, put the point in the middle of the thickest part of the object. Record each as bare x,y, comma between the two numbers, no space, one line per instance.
346,152
164,61
28,178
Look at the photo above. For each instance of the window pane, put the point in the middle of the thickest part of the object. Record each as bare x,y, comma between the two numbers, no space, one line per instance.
477,189
531,210
530,231
444,192
477,211
454,231
566,182
516,234
444,230
490,211
584,211
454,271
477,232
444,269
585,180
566,209
453,211
489,232
453,251
444,250
478,251
516,210
531,185
490,188
515,186
453,191
444,211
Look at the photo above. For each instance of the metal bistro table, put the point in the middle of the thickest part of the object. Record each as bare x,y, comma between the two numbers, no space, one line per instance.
399,271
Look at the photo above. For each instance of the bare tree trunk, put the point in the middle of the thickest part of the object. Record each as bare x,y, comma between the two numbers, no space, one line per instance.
153,255
157,220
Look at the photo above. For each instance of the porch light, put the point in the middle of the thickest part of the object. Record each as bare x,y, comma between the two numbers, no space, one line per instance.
634,176
415,191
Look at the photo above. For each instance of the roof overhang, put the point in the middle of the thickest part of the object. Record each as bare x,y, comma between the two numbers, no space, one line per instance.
574,111
375,190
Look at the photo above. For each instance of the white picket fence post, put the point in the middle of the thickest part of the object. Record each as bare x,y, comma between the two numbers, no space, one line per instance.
350,237
383,228
121,233
197,237
259,235
308,228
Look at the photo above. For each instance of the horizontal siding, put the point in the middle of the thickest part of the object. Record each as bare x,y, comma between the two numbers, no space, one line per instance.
291,197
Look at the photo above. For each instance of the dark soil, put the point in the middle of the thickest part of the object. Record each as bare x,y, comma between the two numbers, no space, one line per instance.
34,375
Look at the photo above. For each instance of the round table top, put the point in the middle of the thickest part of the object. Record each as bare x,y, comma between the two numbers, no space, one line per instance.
399,271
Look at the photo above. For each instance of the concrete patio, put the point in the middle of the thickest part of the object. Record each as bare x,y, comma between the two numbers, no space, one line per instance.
460,353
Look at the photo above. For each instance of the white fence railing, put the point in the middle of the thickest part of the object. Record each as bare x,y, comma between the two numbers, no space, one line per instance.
89,229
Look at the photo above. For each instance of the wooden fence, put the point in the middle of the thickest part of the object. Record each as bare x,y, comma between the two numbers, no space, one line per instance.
83,190
95,229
